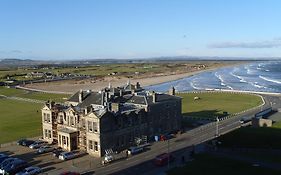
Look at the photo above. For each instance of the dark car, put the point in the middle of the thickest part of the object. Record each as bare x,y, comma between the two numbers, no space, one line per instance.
57,152
3,157
14,167
7,162
20,142
27,143
32,170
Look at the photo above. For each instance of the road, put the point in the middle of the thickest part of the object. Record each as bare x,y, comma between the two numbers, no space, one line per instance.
142,163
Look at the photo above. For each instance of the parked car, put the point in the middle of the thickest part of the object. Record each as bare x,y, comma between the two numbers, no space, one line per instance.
32,170
14,167
45,149
57,152
3,157
135,150
7,162
69,173
27,142
67,155
20,142
37,144
163,159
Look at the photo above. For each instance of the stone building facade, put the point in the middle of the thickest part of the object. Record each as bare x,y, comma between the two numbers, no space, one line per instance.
114,118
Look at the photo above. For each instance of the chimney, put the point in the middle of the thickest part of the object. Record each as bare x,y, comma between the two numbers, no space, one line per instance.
154,97
80,96
121,93
172,91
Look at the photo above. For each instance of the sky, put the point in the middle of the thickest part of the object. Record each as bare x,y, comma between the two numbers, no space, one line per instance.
90,29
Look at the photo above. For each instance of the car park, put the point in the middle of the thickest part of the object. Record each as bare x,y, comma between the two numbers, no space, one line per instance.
45,149
37,144
14,167
67,155
32,170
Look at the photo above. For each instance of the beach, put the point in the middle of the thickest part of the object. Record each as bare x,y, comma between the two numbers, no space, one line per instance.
71,86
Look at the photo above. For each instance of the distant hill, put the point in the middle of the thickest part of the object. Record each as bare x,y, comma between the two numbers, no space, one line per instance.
14,62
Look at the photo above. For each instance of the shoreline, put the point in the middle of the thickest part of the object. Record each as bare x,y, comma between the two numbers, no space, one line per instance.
69,87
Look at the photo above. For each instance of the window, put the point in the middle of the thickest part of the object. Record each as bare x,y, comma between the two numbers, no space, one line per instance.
50,134
63,140
49,118
95,126
46,133
96,146
90,126
72,121
91,145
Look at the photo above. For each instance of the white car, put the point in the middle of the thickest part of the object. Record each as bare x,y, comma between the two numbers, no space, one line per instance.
67,155
45,149
30,171
37,144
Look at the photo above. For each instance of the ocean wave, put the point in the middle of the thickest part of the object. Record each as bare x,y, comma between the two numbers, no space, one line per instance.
270,79
239,77
193,86
255,84
220,78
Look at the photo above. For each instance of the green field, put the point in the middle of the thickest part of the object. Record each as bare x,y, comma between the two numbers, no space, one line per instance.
19,119
211,105
205,164
33,95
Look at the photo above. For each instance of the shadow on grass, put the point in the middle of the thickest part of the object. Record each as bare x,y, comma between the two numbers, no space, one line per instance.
249,137
212,114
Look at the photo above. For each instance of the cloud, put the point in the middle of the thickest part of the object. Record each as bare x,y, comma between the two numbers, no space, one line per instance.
252,45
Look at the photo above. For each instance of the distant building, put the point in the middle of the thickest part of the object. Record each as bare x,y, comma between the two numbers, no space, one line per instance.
114,118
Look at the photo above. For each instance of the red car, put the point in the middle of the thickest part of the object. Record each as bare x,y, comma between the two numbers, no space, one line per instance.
163,159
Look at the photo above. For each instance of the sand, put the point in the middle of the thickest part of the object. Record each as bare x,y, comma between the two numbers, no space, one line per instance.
71,86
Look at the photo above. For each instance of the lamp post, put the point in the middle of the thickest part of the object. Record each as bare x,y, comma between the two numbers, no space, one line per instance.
217,127
168,153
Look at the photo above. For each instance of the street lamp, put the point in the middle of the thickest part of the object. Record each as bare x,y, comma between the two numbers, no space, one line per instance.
168,153
217,127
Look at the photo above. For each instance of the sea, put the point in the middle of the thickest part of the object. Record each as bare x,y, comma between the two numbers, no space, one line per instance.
253,76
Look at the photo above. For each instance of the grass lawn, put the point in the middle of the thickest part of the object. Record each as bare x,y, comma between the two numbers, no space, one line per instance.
33,95
211,105
248,137
19,119
209,164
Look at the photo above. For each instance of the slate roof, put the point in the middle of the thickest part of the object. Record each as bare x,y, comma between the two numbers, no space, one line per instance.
92,98
75,97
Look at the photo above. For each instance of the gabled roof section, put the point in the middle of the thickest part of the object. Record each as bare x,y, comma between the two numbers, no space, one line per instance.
91,98
75,97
